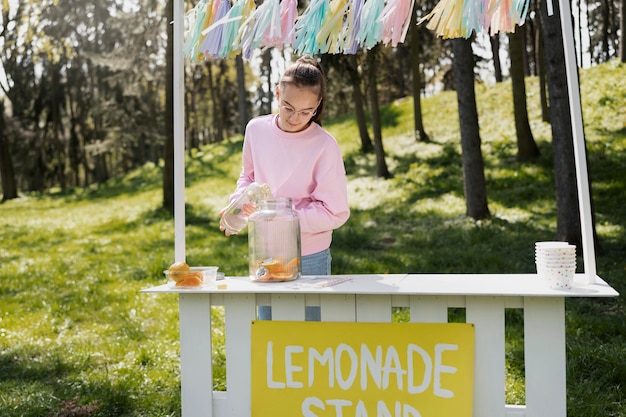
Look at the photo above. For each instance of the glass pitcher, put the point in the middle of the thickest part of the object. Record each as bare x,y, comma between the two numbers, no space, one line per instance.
274,241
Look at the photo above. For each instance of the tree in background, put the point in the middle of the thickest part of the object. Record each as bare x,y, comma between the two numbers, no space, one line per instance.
526,147
168,152
242,94
603,24
85,87
622,36
473,166
416,66
381,165
7,175
341,67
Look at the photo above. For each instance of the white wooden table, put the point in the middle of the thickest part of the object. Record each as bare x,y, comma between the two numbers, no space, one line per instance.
371,298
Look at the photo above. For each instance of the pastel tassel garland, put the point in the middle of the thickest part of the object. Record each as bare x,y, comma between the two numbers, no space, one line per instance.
308,26
396,18
232,22
458,18
446,19
330,35
288,16
213,40
254,28
218,29
351,28
371,29
195,22
272,33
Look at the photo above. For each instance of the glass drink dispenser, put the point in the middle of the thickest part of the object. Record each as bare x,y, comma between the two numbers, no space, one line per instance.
274,241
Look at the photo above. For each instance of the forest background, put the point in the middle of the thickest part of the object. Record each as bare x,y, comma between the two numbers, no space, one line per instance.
85,121
85,96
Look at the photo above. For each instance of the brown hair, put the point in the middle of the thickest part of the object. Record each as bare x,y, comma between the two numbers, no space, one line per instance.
307,72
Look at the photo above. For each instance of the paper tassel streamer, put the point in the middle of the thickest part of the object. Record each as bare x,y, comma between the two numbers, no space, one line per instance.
308,26
196,19
371,30
272,33
288,16
476,14
351,28
217,29
396,18
231,24
508,14
446,19
330,36
252,30
458,18
213,34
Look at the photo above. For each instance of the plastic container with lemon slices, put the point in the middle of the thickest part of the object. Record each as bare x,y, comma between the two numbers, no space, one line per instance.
180,275
274,241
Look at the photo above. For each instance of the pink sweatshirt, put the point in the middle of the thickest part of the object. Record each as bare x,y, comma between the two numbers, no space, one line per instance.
306,166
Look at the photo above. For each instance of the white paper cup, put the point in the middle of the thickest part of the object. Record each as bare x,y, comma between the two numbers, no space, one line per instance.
552,244
557,278
549,259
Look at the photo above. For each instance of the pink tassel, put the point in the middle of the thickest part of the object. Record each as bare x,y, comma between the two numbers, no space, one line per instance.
396,18
288,16
272,33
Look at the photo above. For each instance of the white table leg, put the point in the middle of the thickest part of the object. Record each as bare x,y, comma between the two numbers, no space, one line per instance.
195,355
240,311
544,354
487,314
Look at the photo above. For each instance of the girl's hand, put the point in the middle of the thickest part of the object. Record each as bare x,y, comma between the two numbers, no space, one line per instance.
227,233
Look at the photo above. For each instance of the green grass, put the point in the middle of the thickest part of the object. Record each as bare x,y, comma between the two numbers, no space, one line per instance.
75,331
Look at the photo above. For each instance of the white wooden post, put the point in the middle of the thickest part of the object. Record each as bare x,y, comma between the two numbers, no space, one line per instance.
179,132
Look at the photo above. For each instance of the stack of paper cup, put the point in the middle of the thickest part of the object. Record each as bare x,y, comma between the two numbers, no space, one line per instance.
556,263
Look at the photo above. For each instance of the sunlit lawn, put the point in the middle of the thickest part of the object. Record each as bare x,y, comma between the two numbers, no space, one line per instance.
75,331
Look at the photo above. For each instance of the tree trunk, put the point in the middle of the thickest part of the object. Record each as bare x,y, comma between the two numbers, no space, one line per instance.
605,30
527,149
267,92
352,69
420,132
168,152
541,72
495,53
242,95
381,164
473,167
7,174
568,216
622,36
214,91
528,48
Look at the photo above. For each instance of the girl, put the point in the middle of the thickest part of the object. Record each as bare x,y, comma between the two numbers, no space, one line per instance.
299,159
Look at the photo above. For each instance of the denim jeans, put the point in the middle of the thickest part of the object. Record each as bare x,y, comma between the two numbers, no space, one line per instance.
314,264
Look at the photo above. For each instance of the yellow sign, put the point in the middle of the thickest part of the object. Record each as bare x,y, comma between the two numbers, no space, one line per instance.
328,369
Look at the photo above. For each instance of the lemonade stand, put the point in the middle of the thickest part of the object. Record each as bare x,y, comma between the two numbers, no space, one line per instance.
356,362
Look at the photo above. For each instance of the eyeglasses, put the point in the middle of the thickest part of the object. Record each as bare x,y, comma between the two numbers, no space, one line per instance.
301,114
